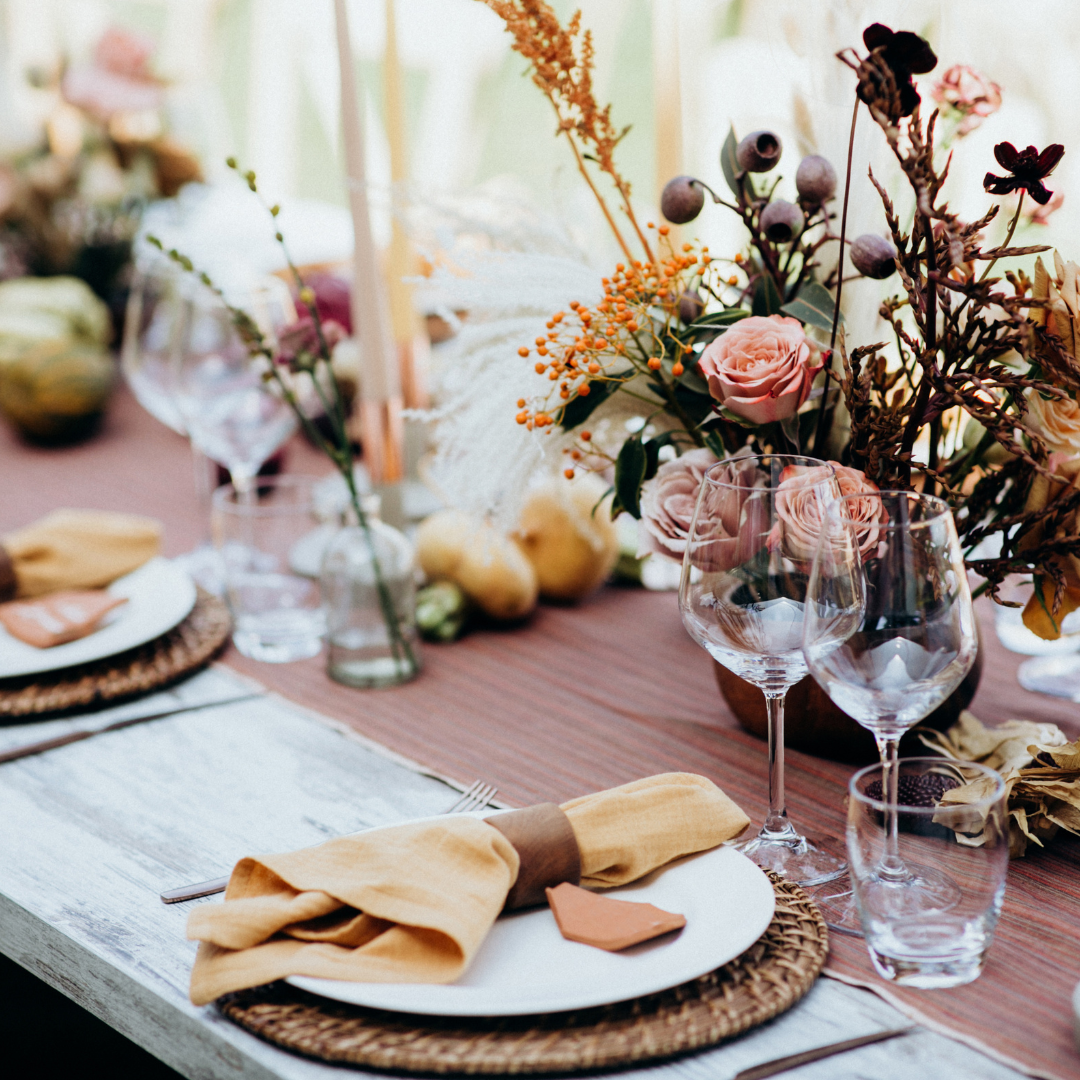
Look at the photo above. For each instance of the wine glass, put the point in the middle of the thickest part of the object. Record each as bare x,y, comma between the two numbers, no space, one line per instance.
742,594
231,413
154,328
889,634
151,342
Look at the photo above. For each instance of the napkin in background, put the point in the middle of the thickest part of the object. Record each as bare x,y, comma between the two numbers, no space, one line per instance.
76,549
414,903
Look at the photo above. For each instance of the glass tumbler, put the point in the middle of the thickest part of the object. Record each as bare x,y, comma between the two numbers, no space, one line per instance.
952,825
262,533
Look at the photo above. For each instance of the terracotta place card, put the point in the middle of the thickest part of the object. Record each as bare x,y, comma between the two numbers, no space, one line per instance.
606,923
57,618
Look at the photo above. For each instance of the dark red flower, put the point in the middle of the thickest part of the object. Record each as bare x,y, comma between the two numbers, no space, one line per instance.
906,54
1028,167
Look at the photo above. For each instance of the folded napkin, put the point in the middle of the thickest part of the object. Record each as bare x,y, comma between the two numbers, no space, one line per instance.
413,903
74,549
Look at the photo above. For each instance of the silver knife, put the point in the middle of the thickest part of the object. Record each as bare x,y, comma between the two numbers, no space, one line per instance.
77,736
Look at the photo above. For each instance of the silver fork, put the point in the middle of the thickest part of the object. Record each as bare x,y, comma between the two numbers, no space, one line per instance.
475,797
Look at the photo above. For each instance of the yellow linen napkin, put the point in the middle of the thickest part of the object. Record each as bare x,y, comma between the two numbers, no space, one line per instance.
414,903
79,549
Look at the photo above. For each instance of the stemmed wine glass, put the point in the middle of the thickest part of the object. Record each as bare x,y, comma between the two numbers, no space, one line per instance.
889,634
151,342
742,596
231,414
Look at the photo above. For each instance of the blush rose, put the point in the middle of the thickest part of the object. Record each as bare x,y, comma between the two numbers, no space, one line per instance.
733,521
667,504
1056,421
970,93
804,498
762,368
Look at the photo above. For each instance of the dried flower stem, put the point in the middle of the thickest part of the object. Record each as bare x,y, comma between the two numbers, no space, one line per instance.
562,69
819,435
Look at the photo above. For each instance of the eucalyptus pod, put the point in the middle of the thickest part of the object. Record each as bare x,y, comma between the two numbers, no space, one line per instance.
815,179
873,256
782,221
682,200
759,152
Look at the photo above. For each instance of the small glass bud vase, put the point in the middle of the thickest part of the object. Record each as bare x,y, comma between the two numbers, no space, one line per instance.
363,597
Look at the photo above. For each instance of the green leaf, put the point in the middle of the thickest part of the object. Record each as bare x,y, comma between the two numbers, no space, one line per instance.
790,427
652,458
767,301
716,444
734,418
652,453
813,306
581,408
729,163
692,379
719,318
630,468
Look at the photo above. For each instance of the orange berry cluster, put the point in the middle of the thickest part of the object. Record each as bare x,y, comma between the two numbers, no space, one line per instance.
582,347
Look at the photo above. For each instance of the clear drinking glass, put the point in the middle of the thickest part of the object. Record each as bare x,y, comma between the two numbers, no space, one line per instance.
951,821
230,412
742,597
889,634
273,591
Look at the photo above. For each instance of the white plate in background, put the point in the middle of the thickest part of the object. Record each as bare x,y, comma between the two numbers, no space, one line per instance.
159,596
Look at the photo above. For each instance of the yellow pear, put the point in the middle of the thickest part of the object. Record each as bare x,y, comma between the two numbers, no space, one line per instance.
567,532
490,568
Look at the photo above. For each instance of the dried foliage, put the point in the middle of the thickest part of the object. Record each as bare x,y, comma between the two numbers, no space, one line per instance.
971,353
1040,767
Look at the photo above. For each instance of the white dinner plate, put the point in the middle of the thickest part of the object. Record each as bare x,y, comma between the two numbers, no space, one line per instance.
526,966
159,595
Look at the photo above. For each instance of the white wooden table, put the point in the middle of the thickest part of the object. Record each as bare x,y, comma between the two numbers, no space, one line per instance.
92,832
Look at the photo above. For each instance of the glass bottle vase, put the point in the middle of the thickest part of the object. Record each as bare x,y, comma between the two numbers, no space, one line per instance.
363,649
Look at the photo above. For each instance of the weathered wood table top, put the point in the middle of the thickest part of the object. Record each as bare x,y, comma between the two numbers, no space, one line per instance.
582,698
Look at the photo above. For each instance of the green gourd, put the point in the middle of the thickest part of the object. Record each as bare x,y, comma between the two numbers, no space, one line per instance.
55,390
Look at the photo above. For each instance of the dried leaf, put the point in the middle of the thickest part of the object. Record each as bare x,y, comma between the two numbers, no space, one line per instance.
1040,767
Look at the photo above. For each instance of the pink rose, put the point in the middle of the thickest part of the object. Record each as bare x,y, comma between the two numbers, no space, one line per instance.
802,498
805,496
124,52
667,504
969,93
866,513
1040,215
118,81
733,521
762,368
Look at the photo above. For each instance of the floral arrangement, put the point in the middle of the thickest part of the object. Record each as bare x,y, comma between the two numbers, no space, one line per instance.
974,398
70,205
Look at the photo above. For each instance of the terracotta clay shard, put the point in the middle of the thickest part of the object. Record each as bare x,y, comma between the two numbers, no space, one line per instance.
57,618
606,923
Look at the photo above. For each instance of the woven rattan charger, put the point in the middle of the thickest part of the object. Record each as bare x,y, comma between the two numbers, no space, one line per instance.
153,666
770,977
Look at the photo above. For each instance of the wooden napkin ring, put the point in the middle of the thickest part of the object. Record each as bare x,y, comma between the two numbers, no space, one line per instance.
7,576
545,842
